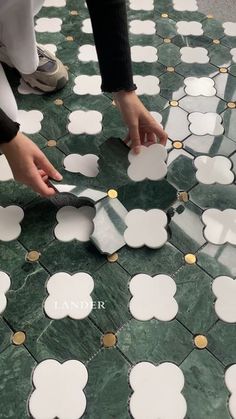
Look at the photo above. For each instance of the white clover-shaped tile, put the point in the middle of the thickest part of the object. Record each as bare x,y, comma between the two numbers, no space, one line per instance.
220,226
30,121
229,28
230,381
5,170
224,289
87,165
199,86
25,89
85,122
205,123
5,284
74,223
87,26
145,54
87,53
153,297
10,219
147,85
214,170
183,5
58,390
148,164
157,116
54,3
142,27
51,48
233,53
45,24
194,55
69,295
87,85
157,391
189,28
146,228
141,4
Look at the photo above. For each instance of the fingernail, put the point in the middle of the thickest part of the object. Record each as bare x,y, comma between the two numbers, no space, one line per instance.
58,176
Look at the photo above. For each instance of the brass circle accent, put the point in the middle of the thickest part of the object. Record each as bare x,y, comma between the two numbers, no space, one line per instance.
112,193
200,341
58,102
183,196
210,17
113,258
109,340
51,143
177,145
231,105
33,256
190,258
223,70
174,103
74,13
167,40
18,338
164,15
170,69
70,38
216,41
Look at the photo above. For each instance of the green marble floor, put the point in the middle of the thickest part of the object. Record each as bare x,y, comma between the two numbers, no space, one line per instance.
196,101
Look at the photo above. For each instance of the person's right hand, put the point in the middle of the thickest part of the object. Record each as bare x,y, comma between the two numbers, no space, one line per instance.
29,165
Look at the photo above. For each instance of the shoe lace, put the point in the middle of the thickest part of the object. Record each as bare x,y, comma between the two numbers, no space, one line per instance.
43,54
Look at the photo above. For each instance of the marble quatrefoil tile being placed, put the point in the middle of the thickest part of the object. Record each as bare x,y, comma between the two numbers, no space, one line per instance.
58,390
205,123
5,170
87,165
214,170
146,5
224,289
10,219
87,85
74,223
150,163
146,228
199,86
157,391
142,27
45,24
189,28
69,295
193,55
153,297
230,381
220,226
85,122
5,284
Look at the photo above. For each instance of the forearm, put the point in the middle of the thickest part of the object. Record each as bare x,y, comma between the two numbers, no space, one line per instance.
8,128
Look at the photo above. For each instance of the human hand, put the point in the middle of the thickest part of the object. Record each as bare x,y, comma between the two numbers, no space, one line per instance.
143,128
29,165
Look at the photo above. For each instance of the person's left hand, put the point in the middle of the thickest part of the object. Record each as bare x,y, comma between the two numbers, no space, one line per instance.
143,128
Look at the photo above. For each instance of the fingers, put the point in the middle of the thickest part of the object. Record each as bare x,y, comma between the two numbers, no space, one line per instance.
37,181
135,139
47,167
161,134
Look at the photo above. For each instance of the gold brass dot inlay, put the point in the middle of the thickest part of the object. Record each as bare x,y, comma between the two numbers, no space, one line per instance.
231,105
18,338
112,258
190,258
174,103
112,193
164,15
223,70
210,17
216,41
170,69
109,340
177,145
58,102
74,13
33,256
51,143
183,196
200,341
70,38
167,40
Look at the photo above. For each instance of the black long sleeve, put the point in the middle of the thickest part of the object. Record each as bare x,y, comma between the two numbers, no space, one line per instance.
8,128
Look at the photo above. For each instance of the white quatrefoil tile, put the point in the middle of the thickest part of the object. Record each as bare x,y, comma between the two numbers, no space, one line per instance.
147,85
87,165
5,170
5,284
74,223
229,28
141,4
85,122
157,391
230,381
224,289
87,85
189,28
69,295
87,53
148,164
220,226
58,390
87,26
205,123
153,297
199,86
214,170
194,55
142,27
146,228
145,54
25,89
233,53
183,5
30,121
10,219
54,3
45,24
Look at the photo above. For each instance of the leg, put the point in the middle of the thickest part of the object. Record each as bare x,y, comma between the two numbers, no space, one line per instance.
7,100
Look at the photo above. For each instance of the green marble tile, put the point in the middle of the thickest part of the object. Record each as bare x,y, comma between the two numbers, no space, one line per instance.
14,193
49,38
54,124
5,335
204,389
79,5
202,104
172,86
141,40
87,102
107,390
222,342
226,87
169,55
229,121
214,196
15,382
219,55
152,341
187,16
210,145
145,69
195,299
232,69
229,41
61,12
213,28
113,125
181,172
218,260
191,41
196,70
163,6
166,28
81,144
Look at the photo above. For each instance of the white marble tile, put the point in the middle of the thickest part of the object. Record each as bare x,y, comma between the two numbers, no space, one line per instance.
177,124
148,164
183,5
87,26
54,3
30,121
74,223
230,381
69,295
153,297
85,122
147,85
146,228
220,226
45,24
87,165
5,284
5,170
157,116
10,219
214,170
192,55
146,54
87,85
205,123
157,391
229,28
25,89
189,28
224,289
87,53
51,48
142,27
233,53
199,86
58,390
141,4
